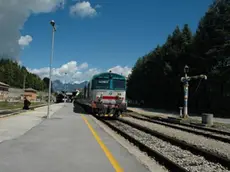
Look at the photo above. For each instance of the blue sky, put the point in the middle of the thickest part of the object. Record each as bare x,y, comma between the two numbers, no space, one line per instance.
118,33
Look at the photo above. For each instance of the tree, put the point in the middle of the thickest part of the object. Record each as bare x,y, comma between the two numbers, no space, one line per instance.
13,74
155,77
46,81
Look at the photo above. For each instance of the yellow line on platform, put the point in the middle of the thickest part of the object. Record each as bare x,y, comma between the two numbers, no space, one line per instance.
112,160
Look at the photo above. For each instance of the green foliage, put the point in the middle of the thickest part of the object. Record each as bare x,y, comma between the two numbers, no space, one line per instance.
79,96
156,76
13,74
46,82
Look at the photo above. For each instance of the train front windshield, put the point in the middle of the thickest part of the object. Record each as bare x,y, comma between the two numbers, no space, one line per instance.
101,84
119,84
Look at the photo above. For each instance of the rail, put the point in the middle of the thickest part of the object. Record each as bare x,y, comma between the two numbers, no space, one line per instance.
213,157
209,135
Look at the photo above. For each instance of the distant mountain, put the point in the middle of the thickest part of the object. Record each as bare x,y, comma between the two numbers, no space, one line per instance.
59,86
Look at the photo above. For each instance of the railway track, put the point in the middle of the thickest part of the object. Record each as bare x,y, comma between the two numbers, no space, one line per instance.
207,132
174,154
153,153
170,152
191,125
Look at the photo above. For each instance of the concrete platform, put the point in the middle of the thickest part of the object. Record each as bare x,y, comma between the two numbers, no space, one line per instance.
67,142
12,127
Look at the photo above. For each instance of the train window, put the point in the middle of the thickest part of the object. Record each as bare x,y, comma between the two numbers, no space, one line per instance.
118,84
101,84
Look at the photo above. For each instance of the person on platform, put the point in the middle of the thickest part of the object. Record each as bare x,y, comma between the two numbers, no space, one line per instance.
26,103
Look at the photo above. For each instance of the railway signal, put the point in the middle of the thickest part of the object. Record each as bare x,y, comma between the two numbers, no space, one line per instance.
185,81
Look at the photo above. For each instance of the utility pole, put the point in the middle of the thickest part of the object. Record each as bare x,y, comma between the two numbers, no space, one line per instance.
185,81
65,90
66,86
24,82
24,85
51,59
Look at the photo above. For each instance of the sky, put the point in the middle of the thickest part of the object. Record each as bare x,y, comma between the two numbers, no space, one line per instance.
92,36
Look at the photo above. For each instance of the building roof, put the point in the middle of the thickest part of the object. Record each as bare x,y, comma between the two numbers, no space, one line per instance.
31,89
4,84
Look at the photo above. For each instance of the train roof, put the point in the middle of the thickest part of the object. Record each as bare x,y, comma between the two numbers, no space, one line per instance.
107,74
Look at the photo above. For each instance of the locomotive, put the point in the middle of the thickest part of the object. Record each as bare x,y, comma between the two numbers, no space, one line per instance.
105,93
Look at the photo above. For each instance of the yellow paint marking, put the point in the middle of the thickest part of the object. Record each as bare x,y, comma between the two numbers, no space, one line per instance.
112,160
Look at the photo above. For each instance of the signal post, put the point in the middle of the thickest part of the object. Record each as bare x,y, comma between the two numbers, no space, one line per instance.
185,80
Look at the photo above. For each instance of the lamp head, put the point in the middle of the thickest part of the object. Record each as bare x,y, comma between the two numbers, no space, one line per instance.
186,69
204,77
52,23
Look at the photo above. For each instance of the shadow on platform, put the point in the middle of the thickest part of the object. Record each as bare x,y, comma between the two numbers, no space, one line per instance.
79,109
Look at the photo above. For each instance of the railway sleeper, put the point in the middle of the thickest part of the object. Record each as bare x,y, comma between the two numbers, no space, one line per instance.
194,149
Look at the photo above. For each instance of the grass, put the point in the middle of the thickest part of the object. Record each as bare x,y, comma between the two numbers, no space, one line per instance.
16,105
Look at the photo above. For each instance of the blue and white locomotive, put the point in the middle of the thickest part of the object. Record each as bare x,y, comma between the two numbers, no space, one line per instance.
106,92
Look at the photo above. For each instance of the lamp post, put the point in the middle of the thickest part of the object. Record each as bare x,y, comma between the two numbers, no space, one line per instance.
185,81
24,82
65,89
51,59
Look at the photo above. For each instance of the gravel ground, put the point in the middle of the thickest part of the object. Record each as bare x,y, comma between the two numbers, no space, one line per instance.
193,129
203,131
154,112
212,145
182,157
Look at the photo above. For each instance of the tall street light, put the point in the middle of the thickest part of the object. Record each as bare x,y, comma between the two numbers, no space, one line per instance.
65,90
51,58
24,82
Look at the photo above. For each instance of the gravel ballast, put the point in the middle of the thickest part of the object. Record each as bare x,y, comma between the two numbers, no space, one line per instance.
213,133
212,145
184,158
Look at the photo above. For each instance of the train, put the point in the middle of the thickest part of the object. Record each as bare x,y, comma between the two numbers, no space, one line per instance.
105,95
69,96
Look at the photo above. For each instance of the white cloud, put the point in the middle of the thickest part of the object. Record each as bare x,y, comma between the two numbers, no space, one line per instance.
74,73
69,67
19,63
97,6
121,70
79,77
25,40
13,15
83,9
84,66
66,71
